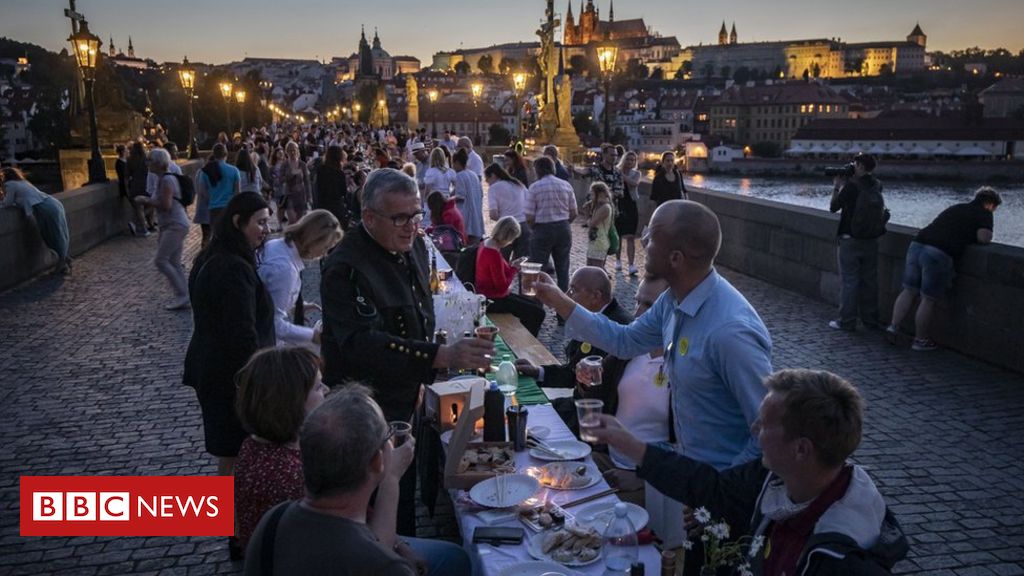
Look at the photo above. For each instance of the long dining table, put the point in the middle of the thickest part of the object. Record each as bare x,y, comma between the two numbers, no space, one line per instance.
490,560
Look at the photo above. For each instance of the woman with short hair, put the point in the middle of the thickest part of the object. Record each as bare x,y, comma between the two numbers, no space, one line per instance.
277,388
174,226
281,266
494,277
47,211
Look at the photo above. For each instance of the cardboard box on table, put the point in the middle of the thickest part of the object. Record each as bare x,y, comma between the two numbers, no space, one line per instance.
465,428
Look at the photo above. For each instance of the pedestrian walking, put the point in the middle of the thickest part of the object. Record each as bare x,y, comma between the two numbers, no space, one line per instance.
174,225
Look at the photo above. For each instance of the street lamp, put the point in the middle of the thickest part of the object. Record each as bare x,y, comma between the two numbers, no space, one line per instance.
87,47
477,89
358,108
380,104
518,86
226,88
606,60
240,98
187,77
432,95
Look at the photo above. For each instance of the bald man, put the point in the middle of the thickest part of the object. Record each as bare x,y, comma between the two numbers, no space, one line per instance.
717,350
591,289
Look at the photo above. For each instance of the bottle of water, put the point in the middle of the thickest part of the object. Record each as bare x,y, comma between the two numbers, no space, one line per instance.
621,548
507,376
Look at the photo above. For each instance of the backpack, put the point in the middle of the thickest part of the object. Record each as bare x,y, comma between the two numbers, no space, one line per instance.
465,266
446,238
869,212
187,188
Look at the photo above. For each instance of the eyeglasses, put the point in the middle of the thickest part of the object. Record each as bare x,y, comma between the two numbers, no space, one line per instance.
400,220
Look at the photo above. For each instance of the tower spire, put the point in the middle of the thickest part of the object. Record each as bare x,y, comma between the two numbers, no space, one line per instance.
611,10
131,49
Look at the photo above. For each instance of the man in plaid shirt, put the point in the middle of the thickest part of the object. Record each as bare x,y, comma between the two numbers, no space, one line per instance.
550,207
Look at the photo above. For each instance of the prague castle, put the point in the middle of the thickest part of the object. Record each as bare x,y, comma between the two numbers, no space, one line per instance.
821,57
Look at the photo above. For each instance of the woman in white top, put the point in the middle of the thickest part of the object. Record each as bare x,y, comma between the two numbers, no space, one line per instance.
506,196
174,225
251,179
438,176
16,191
280,265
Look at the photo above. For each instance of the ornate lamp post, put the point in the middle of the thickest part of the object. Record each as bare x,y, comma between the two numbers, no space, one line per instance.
226,88
86,48
187,77
606,60
240,98
518,87
477,89
432,95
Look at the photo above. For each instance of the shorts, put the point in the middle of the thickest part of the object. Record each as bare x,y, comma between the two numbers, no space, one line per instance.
929,270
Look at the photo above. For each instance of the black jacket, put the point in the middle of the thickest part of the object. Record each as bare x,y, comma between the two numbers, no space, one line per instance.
662,190
734,495
233,316
332,193
564,375
378,320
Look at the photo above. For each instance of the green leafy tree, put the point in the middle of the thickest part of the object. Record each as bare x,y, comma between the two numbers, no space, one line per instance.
657,74
367,98
462,68
507,65
485,64
584,124
635,69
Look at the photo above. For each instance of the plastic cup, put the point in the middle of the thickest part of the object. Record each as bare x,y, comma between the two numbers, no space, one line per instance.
531,272
589,371
400,432
488,333
588,411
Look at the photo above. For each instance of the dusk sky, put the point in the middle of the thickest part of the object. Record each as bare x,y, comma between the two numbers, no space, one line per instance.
228,30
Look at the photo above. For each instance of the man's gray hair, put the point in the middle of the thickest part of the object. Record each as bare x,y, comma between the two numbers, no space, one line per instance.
339,440
465,142
386,181
551,151
160,157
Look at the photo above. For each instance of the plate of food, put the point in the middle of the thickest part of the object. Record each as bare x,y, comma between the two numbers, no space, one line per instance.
535,568
568,546
566,475
561,450
544,516
499,459
504,490
599,514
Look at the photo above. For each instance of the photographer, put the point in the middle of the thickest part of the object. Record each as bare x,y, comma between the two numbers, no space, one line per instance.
857,195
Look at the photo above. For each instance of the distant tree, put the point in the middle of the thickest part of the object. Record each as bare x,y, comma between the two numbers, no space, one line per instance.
580,65
498,135
807,74
507,65
485,64
885,70
709,70
462,68
618,136
366,96
816,70
635,69
777,72
584,124
726,72
854,66
657,74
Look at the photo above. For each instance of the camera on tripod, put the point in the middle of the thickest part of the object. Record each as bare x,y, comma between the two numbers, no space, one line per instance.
845,170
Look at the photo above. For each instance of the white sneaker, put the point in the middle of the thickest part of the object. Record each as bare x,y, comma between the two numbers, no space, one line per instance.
179,304
618,265
633,271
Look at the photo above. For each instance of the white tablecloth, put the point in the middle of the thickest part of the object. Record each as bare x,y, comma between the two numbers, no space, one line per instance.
490,560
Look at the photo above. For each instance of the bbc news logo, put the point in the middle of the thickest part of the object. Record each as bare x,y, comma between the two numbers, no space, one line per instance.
127,506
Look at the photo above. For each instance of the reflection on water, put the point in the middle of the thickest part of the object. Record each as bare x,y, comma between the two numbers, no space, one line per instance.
911,203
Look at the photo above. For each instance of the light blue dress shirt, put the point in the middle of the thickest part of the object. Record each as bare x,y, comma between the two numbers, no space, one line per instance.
717,355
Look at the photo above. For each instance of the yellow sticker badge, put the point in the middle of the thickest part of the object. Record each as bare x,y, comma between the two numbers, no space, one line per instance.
586,347
684,345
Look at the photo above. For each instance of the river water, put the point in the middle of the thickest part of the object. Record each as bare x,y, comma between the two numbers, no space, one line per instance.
911,203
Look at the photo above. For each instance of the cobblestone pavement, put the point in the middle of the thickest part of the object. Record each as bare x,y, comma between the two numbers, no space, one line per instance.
90,383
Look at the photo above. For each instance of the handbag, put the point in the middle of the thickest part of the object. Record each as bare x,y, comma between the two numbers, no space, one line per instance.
613,240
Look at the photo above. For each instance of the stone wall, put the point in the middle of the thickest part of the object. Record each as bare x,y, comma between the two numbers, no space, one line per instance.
95,213
794,248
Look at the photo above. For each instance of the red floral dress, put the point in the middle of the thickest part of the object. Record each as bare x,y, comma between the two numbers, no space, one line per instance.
265,475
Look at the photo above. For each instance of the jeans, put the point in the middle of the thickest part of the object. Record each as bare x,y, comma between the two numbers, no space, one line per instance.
443,558
53,226
858,273
929,270
553,239
168,257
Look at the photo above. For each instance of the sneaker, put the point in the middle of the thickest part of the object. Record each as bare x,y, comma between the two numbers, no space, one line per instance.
179,304
618,265
835,325
923,345
131,228
633,271
892,334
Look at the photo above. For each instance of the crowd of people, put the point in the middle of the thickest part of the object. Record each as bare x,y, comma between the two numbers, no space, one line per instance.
305,417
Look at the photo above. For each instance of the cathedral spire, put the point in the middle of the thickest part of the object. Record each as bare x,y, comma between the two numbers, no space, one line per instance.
131,49
112,51
732,35
723,35
611,10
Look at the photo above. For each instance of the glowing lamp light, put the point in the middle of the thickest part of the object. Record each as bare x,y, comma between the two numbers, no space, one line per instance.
226,88
519,81
86,46
606,58
477,89
240,96
186,75
432,95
